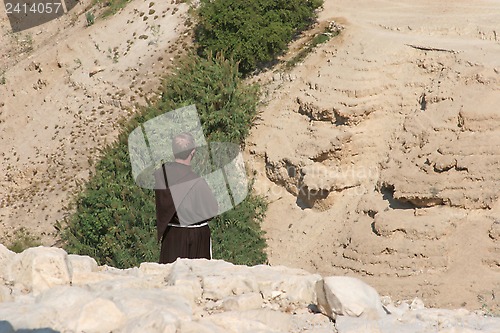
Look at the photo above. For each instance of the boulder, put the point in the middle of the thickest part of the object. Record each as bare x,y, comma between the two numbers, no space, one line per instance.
80,268
137,303
352,297
28,316
40,268
220,279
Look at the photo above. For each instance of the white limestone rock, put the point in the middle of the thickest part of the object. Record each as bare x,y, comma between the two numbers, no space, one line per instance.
182,276
40,268
137,303
417,304
153,322
275,320
153,269
6,256
66,301
5,294
422,321
238,322
349,296
217,287
199,326
202,296
100,315
28,316
250,301
81,268
81,264
215,279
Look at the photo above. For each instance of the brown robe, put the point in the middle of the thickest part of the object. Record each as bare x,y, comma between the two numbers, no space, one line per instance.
182,241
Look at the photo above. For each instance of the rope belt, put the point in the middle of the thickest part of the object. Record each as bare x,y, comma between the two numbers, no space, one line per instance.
197,225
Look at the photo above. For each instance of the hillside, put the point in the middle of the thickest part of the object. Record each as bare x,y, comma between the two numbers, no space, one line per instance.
380,153
67,86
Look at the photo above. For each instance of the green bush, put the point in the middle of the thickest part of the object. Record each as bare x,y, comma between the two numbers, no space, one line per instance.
236,234
90,17
254,32
115,219
225,104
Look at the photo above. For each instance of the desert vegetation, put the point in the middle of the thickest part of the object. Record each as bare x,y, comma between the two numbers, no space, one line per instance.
114,219
254,32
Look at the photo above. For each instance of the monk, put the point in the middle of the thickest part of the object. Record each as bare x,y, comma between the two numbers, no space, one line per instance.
184,206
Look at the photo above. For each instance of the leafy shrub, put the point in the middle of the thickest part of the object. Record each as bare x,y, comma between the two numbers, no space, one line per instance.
236,234
115,219
252,31
226,105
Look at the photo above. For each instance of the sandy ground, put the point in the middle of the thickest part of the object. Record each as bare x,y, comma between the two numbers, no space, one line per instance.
380,152
66,87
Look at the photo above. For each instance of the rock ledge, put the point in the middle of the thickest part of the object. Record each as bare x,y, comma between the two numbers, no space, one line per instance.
47,290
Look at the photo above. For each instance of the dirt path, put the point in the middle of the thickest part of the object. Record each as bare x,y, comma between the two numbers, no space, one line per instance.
380,153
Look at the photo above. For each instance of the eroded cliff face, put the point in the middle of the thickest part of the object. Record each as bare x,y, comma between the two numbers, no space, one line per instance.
380,153
45,288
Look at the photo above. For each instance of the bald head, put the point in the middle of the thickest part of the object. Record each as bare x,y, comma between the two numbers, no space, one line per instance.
182,145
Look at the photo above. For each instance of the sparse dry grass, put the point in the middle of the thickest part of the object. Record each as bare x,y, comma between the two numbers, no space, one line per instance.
23,239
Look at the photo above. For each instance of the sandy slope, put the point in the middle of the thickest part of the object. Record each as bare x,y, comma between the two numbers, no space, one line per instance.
380,153
62,100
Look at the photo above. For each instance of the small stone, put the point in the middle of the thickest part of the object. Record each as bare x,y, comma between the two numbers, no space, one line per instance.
417,304
275,294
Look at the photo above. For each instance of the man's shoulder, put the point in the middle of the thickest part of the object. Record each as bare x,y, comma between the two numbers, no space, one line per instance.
177,172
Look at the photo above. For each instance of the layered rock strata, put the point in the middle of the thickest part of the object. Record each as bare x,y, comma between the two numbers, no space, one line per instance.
380,152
